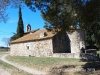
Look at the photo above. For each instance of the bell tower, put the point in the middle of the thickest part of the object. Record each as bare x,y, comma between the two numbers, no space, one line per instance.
28,28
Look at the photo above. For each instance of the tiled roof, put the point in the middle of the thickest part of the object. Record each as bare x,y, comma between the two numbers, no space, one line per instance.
33,36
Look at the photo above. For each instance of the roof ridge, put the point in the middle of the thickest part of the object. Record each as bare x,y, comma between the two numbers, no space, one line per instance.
32,31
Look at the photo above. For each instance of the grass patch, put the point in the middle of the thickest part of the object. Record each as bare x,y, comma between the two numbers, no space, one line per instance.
53,64
11,69
42,63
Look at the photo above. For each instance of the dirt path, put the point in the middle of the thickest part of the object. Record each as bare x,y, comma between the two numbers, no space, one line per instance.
2,71
26,69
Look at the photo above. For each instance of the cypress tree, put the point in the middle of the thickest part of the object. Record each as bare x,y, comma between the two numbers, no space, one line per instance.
20,28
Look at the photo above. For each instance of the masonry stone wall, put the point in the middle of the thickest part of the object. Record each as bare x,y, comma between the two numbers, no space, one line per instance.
61,43
77,40
76,55
35,48
69,42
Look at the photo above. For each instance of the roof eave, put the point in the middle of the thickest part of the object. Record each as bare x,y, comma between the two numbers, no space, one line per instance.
30,40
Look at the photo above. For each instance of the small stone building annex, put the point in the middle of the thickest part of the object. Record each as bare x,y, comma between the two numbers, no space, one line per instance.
44,43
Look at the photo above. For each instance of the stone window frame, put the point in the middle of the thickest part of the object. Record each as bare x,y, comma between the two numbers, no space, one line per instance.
27,46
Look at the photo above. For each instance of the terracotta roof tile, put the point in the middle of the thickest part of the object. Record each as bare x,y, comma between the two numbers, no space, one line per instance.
33,36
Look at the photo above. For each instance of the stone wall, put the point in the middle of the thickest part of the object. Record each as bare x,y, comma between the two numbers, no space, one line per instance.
35,48
69,42
76,55
77,40
61,43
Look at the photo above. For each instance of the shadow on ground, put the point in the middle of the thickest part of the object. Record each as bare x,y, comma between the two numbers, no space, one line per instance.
92,67
63,70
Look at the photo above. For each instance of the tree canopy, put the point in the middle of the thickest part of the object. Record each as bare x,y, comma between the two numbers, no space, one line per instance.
3,7
63,13
90,20
58,14
4,4
20,28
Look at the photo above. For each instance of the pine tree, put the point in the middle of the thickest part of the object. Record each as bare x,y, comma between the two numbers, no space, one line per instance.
20,28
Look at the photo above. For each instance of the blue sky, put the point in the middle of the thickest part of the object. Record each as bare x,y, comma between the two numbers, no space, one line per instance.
33,18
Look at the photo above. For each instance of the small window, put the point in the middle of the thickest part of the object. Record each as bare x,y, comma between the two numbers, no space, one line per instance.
43,34
27,47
